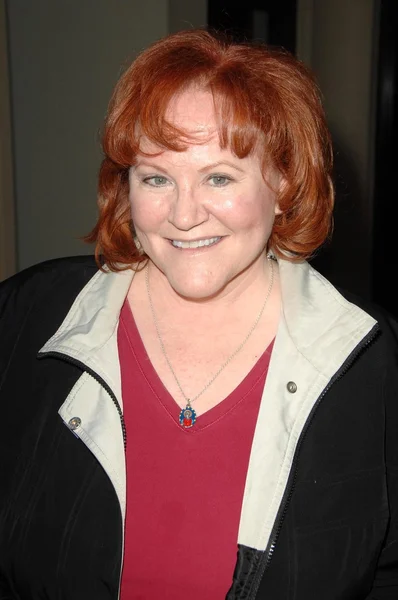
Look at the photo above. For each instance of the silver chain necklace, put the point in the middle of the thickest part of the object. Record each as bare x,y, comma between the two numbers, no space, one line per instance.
187,416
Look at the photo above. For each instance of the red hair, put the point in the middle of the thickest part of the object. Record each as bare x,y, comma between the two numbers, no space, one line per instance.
264,99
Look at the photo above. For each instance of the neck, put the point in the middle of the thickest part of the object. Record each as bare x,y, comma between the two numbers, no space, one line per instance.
242,293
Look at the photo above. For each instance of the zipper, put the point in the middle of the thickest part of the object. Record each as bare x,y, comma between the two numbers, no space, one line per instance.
269,551
95,376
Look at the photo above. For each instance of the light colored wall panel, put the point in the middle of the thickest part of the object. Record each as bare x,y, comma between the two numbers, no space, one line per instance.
65,59
7,220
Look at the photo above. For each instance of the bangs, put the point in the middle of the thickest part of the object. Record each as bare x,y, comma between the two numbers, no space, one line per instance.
238,127
238,124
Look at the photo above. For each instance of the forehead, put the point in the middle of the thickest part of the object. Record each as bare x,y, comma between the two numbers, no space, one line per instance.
193,112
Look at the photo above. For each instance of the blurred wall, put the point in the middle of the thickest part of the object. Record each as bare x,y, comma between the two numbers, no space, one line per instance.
65,57
339,39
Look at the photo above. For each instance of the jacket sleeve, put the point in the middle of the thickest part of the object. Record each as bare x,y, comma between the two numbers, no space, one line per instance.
11,322
385,585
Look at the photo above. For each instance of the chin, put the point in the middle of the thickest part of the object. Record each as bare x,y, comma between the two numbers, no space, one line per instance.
197,290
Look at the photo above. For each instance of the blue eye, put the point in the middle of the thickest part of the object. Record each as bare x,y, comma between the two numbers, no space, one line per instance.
220,180
156,180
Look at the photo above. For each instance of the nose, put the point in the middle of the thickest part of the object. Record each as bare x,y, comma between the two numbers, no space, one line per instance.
188,208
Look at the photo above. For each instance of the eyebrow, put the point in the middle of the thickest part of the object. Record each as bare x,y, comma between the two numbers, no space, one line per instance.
220,163
205,169
151,165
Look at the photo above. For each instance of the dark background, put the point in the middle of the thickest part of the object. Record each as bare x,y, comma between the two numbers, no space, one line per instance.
275,23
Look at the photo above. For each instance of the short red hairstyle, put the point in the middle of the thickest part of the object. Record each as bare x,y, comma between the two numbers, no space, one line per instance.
264,99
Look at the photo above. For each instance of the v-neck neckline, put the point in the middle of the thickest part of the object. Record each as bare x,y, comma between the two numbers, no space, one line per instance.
212,415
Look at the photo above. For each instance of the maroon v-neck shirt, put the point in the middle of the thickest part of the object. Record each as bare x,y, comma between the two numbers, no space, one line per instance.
184,486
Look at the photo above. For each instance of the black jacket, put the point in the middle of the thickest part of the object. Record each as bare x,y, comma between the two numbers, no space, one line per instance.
319,516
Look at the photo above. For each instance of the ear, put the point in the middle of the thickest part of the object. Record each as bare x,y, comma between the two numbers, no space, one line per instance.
282,185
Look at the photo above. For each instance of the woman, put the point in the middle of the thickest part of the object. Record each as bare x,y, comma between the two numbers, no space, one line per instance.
199,413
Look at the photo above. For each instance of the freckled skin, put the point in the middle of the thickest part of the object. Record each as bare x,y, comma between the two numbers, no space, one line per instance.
202,192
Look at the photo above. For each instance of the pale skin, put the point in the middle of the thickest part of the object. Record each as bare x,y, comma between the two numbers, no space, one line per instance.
206,299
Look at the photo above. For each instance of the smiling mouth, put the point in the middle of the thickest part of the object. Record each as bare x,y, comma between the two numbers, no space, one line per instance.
196,243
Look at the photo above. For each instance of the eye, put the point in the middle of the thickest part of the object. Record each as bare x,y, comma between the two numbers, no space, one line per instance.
156,180
220,180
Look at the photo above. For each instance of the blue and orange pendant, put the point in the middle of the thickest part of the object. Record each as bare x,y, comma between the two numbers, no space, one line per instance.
187,416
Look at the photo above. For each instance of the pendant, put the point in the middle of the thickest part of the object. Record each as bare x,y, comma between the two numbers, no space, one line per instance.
187,416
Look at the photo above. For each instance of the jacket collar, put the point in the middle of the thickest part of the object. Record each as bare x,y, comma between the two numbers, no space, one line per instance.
314,313
89,330
316,316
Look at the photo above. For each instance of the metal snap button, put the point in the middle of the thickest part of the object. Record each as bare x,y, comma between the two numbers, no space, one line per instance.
291,387
74,423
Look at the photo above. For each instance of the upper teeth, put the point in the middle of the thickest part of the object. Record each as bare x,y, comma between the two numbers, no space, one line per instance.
196,243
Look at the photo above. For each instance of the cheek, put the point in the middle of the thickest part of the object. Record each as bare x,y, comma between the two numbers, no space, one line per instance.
146,215
248,211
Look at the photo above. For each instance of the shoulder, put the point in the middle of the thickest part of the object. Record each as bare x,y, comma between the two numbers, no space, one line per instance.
49,281
386,322
45,273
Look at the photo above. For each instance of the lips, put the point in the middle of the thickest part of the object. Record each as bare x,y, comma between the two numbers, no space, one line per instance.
195,243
